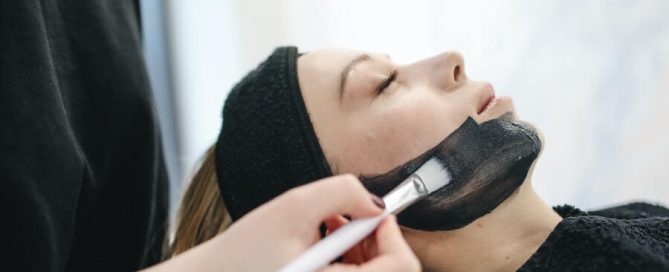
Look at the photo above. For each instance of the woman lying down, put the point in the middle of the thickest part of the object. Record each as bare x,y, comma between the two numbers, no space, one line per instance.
297,118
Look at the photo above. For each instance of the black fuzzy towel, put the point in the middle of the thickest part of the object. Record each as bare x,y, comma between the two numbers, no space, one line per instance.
633,237
267,144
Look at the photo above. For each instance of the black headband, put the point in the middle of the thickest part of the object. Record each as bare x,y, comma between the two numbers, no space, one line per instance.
267,144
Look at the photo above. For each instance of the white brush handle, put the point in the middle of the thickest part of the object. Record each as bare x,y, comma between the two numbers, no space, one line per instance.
334,245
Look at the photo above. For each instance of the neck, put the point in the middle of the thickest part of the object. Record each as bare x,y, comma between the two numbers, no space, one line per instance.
499,241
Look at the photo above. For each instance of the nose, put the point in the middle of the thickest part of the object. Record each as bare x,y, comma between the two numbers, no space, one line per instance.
452,70
445,71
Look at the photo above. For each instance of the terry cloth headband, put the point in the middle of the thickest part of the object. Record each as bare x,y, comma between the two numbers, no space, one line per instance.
267,144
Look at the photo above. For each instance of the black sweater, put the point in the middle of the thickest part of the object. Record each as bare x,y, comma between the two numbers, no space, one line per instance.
82,181
633,237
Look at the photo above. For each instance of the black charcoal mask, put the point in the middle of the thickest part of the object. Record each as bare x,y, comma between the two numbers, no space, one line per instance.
488,162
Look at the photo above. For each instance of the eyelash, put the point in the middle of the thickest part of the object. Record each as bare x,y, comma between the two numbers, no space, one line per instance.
382,87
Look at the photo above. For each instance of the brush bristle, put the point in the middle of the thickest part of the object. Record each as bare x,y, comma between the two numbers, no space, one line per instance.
434,174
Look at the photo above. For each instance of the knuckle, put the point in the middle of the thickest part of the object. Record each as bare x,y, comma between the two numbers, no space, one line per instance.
351,182
296,195
352,186
350,176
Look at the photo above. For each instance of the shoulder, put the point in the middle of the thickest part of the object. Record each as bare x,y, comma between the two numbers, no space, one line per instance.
633,210
618,238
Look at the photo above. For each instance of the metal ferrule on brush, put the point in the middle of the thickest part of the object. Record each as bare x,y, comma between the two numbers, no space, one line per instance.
409,191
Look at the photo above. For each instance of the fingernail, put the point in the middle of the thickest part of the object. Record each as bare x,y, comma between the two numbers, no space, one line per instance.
378,201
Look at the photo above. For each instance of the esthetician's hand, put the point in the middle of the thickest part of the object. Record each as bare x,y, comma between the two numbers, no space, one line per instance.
274,234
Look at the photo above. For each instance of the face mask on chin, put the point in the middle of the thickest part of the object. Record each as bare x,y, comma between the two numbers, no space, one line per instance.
488,161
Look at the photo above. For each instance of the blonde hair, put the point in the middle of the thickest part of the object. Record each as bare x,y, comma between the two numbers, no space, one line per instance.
202,213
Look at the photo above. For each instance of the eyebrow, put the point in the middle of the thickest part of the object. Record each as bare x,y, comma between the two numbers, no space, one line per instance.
347,69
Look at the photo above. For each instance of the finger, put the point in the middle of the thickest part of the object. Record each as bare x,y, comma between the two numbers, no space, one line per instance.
354,254
335,222
390,239
361,252
370,247
340,267
318,200
394,253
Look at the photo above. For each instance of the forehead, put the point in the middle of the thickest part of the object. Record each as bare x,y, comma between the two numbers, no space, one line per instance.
330,56
335,58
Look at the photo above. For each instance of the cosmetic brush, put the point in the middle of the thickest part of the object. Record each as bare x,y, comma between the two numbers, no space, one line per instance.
430,177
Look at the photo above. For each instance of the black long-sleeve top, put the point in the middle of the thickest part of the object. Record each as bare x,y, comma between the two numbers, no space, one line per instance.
82,181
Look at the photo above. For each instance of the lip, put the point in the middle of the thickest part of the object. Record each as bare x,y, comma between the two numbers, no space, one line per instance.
486,98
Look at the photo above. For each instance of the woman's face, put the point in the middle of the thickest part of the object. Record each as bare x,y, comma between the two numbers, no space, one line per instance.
371,114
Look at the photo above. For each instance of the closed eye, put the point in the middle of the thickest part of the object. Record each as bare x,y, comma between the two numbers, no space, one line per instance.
383,85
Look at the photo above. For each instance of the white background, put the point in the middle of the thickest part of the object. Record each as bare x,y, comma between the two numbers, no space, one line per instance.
592,75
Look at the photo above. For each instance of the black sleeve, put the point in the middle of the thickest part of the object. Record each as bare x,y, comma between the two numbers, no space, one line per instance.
82,180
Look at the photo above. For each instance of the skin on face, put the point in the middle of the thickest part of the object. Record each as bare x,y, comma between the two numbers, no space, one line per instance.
365,131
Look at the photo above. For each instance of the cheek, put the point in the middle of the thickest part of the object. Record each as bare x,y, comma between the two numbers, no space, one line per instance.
405,127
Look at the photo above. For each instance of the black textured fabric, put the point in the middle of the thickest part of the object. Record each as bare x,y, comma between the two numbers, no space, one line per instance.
634,237
82,181
267,144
